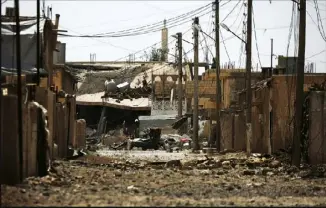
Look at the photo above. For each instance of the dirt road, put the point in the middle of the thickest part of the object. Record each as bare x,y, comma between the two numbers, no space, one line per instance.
187,180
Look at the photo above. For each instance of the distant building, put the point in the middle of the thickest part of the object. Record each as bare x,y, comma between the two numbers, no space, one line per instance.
288,63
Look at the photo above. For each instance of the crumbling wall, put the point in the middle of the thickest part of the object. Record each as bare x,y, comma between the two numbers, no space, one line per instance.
226,130
317,127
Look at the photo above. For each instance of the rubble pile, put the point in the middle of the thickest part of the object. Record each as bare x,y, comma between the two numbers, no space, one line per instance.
129,93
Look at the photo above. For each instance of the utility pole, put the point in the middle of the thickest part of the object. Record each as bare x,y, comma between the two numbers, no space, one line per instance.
248,70
19,90
296,156
180,75
271,72
218,81
195,114
38,41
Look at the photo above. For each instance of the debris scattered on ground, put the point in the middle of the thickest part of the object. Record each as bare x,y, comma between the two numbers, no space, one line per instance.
195,180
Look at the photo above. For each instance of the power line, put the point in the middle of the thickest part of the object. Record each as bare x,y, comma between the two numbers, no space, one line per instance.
322,35
131,34
243,21
106,42
316,54
254,24
152,27
182,16
231,11
151,46
226,50
320,24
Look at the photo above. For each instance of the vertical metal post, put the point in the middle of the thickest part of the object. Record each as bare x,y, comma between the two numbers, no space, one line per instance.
195,114
180,96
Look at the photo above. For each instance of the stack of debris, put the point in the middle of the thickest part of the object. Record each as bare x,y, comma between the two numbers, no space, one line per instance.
128,93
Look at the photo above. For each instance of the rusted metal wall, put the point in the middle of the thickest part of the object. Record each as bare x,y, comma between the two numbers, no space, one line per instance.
282,101
9,141
317,129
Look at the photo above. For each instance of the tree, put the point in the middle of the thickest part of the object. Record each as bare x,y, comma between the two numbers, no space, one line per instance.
156,55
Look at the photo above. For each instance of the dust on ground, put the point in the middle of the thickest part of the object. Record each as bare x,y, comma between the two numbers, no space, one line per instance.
190,180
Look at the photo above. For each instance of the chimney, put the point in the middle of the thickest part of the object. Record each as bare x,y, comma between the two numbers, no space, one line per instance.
10,11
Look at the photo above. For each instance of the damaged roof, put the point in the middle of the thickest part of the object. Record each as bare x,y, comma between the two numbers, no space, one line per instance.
96,100
90,81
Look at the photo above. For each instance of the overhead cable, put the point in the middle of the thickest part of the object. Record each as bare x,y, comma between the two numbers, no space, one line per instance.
146,29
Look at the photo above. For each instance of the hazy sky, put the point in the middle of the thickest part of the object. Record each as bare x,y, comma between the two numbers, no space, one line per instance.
272,20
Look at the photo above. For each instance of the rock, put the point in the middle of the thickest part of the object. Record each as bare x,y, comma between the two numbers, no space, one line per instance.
93,189
221,172
266,171
46,194
117,174
94,183
23,191
205,172
249,172
79,177
257,184
275,164
270,173
229,188
132,188
226,163
173,163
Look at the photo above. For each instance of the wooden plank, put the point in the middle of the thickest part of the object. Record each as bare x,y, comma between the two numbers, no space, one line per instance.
26,138
32,156
72,122
65,130
51,98
59,130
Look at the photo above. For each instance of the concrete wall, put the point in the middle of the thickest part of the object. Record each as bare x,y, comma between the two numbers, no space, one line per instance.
317,130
